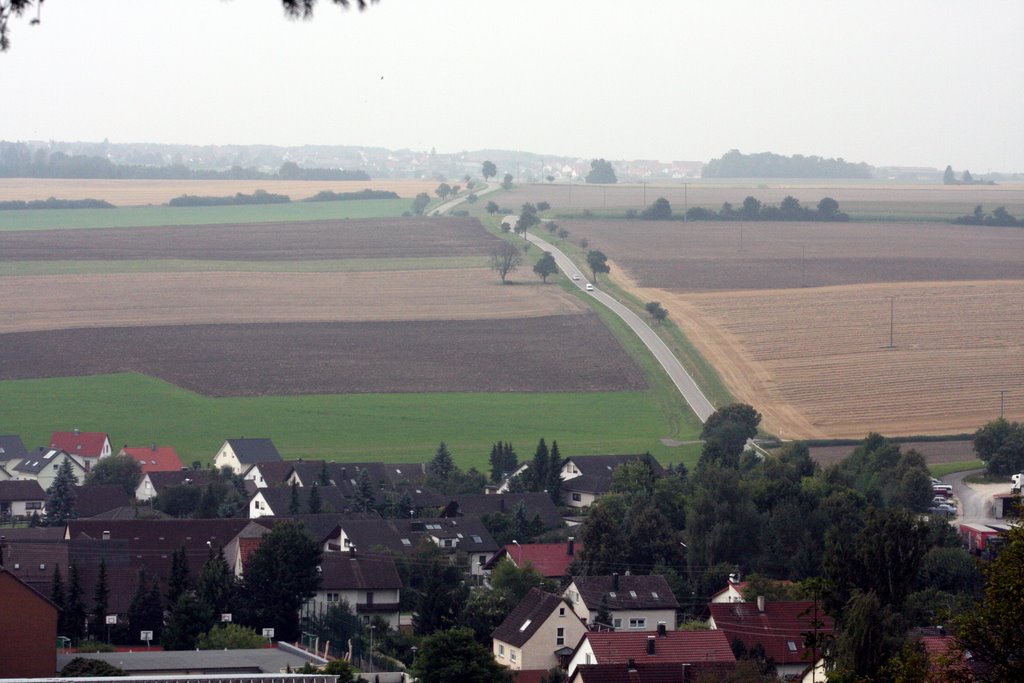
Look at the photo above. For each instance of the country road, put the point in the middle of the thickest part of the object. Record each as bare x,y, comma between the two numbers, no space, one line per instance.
701,406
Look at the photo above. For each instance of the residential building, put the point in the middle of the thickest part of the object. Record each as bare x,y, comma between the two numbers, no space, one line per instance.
467,534
370,585
12,451
89,447
154,458
153,484
653,672
96,499
634,603
33,558
641,648
551,560
43,464
278,500
270,474
584,478
779,627
20,499
28,630
539,633
480,504
239,453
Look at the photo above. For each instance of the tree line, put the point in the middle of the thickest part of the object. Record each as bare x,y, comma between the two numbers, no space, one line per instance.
999,217
18,160
52,203
734,164
789,209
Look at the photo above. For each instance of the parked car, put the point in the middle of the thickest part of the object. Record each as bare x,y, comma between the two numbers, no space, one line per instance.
943,509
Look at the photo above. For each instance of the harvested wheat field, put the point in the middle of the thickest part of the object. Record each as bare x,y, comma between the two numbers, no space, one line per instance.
146,192
298,241
339,358
52,302
817,362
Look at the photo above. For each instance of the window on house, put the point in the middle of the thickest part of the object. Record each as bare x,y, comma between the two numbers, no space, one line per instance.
405,541
632,594
483,559
477,539
34,505
638,623
447,543
512,654
526,625
333,597
791,645
560,636
654,595
369,597
561,611
501,650
577,497
616,623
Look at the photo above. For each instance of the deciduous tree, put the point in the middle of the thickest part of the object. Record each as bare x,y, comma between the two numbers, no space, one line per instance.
598,263
545,266
455,655
420,202
122,470
505,258
660,210
601,171
506,182
488,170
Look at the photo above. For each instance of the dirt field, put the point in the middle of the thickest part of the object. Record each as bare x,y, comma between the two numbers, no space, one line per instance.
714,256
143,192
855,196
35,303
329,358
816,362
934,452
311,240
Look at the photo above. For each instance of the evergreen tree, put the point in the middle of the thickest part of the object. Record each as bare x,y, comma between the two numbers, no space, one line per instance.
293,504
520,523
216,583
604,615
58,596
554,484
75,611
179,581
209,503
315,504
325,476
145,612
497,461
364,491
101,598
189,618
949,178
442,465
60,497
539,467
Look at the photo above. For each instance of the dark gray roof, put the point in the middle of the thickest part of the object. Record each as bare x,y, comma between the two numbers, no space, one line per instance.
41,457
523,621
164,480
21,490
270,660
404,535
249,451
391,474
596,471
634,592
322,527
343,571
12,448
94,499
479,504
280,498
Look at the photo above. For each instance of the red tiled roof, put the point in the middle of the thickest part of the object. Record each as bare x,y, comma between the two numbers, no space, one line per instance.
680,647
779,628
84,444
552,560
650,672
246,548
159,459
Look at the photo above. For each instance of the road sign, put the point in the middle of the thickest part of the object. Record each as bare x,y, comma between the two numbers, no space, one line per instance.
146,636
111,620
268,633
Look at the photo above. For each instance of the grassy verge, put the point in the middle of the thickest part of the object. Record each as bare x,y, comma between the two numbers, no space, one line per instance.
149,216
944,468
194,266
986,478
136,409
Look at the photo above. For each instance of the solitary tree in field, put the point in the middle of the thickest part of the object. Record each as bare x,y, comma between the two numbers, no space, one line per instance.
506,182
656,310
601,171
949,178
504,259
443,190
419,204
545,266
660,210
491,207
598,263
488,170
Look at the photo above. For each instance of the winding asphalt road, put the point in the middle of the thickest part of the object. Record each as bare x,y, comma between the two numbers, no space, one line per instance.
680,377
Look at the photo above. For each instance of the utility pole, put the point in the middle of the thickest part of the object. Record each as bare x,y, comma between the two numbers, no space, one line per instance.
892,312
1002,397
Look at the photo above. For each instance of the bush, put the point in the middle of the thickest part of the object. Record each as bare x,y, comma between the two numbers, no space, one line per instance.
80,667
231,637
257,197
329,196
95,646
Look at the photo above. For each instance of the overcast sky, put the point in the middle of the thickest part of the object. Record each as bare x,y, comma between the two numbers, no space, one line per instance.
907,82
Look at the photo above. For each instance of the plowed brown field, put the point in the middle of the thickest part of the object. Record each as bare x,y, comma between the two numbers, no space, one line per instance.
143,192
130,299
815,359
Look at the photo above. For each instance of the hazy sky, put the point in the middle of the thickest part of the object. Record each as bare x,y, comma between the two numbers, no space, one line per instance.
925,82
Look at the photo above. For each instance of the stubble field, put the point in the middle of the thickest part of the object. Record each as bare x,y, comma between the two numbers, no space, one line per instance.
805,337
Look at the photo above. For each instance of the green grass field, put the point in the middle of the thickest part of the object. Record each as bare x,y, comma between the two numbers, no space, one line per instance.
189,266
149,216
942,469
136,409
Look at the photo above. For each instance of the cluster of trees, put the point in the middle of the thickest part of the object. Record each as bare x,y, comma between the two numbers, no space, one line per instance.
18,160
753,210
656,310
329,196
601,171
998,217
52,203
444,190
420,203
734,164
1000,444
239,198
949,178
280,576
660,210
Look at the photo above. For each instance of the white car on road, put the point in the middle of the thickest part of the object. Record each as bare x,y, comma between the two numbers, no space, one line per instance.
590,287
576,276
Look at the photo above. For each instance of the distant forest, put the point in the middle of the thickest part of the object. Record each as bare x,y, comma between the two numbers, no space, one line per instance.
18,160
735,164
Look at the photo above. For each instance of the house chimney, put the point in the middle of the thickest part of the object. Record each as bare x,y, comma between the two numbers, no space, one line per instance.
732,578
615,581
106,535
650,645
662,630
571,550
760,603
